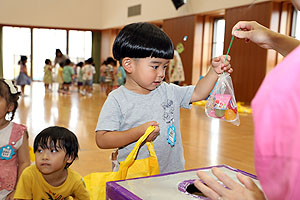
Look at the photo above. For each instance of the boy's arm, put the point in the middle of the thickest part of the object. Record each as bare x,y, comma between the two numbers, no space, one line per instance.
205,86
116,139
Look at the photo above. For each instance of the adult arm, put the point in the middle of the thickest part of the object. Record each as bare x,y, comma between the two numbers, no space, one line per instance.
264,37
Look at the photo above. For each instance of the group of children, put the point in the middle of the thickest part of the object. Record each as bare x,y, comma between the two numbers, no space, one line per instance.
144,52
80,75
111,76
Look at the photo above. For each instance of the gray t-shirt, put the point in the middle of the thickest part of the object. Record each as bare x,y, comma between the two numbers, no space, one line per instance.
124,109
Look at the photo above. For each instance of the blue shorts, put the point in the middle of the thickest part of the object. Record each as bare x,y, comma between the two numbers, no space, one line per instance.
88,82
102,79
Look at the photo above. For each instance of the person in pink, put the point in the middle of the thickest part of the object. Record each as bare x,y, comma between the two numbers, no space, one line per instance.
14,149
276,114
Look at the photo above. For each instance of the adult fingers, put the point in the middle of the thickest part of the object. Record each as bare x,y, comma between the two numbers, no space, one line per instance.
249,184
226,180
212,183
206,190
243,25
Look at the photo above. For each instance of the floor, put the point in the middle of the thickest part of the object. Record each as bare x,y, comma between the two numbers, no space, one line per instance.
206,141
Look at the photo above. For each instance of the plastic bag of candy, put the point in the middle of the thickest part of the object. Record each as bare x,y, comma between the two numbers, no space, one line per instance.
221,103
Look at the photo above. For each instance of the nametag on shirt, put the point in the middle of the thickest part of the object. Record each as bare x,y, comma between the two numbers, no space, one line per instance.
6,152
171,136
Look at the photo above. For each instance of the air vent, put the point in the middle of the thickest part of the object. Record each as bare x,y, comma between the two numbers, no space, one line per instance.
134,10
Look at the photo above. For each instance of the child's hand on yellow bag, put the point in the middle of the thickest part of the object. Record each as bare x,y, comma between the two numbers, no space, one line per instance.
154,133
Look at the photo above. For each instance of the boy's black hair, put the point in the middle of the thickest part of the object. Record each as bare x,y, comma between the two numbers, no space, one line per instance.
47,61
141,40
80,64
67,62
90,61
111,61
58,137
9,97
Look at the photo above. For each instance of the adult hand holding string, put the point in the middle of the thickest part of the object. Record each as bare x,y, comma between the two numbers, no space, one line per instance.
264,37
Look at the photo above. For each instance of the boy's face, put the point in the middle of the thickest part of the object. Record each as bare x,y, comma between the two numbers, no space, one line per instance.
147,73
52,160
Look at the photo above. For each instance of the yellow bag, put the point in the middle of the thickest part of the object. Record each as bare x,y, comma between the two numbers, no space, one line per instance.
129,168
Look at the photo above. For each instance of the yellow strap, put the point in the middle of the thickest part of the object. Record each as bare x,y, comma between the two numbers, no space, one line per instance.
132,156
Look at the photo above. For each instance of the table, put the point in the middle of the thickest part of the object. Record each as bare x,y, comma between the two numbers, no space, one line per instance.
164,186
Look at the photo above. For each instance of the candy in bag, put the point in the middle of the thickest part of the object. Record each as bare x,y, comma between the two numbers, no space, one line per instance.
221,103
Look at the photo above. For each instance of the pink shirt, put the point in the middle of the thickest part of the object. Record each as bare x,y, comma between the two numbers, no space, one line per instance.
276,114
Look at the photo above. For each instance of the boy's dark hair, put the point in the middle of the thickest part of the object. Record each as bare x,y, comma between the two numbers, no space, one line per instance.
80,64
141,40
9,97
67,62
47,61
111,61
58,137
90,61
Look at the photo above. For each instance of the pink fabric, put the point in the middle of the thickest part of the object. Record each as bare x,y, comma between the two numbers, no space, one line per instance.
276,114
9,168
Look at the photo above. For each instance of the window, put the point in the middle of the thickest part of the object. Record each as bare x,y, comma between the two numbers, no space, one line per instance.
296,24
80,45
218,37
16,42
45,41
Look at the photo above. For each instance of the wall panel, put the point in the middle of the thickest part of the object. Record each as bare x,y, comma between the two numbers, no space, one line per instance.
177,29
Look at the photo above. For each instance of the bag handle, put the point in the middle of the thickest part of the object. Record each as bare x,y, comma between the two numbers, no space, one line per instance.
131,157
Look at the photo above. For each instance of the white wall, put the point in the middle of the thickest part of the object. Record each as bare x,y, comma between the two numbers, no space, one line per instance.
100,14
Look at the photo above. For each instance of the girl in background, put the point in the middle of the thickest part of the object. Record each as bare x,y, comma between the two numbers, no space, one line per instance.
60,78
47,74
23,78
14,149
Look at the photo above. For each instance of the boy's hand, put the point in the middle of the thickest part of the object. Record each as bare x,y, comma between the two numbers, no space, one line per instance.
219,64
154,133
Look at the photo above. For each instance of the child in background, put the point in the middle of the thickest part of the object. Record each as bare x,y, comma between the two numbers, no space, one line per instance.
79,76
67,75
121,76
109,71
23,78
14,149
55,150
145,51
60,78
87,77
47,74
102,76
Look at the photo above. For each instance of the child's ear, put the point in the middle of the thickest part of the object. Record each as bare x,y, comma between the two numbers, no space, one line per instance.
127,64
11,107
70,159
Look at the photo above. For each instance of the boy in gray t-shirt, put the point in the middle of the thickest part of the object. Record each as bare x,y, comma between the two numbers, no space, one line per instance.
145,51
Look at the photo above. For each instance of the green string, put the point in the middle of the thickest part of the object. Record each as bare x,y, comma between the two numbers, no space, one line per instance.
230,47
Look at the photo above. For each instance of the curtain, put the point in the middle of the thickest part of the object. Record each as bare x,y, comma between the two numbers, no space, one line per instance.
96,53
